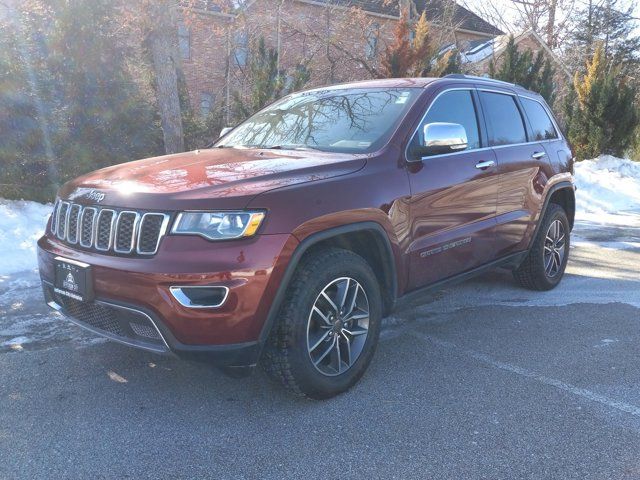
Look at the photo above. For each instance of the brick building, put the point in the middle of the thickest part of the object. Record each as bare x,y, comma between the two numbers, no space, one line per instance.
337,40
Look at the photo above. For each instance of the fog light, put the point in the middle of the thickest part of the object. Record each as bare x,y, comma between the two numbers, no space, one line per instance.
200,296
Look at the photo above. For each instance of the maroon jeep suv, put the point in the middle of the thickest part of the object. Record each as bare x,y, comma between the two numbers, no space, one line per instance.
288,241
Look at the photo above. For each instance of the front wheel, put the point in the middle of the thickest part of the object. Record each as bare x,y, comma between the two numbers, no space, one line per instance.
328,327
545,263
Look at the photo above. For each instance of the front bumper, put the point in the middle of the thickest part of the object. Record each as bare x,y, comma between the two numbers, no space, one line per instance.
133,304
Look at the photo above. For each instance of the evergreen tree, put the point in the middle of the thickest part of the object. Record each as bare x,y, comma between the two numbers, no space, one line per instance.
522,68
606,23
267,82
399,57
67,96
418,58
603,117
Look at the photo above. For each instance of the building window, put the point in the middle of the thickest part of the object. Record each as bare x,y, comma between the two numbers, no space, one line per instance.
206,104
184,42
371,48
241,49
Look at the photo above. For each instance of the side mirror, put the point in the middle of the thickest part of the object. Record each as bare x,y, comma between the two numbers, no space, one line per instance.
441,137
224,131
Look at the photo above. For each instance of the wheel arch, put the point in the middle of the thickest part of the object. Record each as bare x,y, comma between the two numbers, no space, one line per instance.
563,194
354,237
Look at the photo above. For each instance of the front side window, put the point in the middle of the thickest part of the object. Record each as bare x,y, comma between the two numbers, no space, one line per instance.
371,48
206,103
503,116
184,42
357,121
455,106
541,123
241,49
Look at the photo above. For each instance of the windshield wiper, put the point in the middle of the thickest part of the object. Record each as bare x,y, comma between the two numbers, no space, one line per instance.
300,146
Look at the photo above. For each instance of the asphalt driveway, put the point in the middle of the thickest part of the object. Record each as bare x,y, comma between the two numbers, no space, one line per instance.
482,380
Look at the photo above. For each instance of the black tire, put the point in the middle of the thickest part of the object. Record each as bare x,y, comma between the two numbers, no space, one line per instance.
532,272
287,356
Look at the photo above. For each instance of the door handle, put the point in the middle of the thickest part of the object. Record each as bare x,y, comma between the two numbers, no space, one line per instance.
538,155
485,165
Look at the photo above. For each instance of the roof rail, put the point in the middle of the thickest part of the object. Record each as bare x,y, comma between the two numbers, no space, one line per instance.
485,79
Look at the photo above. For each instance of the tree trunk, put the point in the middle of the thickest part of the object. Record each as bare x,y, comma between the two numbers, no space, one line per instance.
162,43
551,24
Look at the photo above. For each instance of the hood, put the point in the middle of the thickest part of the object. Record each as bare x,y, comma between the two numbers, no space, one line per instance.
214,178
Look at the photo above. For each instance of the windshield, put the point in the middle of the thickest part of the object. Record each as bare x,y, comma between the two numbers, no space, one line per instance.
357,121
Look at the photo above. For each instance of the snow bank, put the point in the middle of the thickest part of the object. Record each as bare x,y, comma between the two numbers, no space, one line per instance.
608,189
21,224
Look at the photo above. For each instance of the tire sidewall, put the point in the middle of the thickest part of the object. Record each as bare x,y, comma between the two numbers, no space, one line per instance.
310,379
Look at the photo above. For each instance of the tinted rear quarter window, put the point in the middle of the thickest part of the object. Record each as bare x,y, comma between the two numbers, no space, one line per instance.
539,119
503,116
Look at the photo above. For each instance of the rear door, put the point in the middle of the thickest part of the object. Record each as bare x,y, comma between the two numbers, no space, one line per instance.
523,169
453,195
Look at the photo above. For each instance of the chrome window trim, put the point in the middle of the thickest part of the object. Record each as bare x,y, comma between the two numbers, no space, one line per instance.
479,89
66,221
93,226
75,240
183,300
133,234
111,231
161,233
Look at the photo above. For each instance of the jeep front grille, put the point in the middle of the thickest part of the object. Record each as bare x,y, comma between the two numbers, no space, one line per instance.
123,232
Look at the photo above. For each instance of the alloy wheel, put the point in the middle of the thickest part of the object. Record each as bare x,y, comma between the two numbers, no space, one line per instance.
554,248
337,326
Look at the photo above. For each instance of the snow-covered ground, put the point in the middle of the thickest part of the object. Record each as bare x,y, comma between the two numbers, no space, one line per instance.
21,224
608,191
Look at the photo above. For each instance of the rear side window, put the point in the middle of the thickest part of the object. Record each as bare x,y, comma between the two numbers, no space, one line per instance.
503,116
454,106
541,123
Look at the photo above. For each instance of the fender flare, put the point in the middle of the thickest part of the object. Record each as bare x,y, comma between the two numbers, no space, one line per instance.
314,239
564,185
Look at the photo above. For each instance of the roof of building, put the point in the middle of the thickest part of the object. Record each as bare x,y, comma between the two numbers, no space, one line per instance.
450,12
438,11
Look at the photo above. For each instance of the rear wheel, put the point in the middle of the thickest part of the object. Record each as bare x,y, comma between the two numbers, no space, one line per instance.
329,325
545,264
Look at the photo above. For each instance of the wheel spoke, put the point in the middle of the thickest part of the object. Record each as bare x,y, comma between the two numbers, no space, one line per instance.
326,352
355,332
325,318
338,356
322,338
328,299
343,291
348,345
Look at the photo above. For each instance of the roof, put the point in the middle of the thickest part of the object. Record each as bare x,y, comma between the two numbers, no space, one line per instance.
438,11
448,11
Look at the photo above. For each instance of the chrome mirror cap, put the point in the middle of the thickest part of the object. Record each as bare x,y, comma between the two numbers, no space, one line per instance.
442,137
224,131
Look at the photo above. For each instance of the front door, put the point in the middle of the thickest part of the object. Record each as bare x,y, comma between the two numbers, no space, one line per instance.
453,197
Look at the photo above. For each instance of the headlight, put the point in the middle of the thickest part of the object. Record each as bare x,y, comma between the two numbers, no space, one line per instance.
218,225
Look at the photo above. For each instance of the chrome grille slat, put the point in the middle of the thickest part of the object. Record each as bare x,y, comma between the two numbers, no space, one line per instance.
108,230
87,226
72,223
125,236
63,215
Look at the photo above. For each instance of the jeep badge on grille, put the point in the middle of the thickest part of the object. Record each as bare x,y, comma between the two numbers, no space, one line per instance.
95,195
